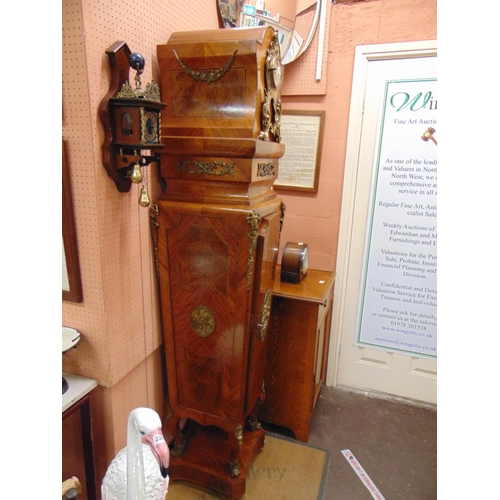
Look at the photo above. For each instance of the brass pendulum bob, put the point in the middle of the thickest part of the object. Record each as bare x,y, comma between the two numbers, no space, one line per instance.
144,200
136,174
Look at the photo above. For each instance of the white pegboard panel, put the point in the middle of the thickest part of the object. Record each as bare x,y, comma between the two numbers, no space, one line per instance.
86,317
118,318
300,75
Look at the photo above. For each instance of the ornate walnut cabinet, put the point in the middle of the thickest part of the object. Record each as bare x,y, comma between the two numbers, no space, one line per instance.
218,231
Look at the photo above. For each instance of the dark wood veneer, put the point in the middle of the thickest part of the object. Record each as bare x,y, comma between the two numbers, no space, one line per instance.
219,223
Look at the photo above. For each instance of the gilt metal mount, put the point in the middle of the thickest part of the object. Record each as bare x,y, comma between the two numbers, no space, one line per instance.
206,75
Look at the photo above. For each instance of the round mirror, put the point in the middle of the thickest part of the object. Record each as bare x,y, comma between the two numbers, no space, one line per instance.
294,20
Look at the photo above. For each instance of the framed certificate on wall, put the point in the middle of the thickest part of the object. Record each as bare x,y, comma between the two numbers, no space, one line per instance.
302,135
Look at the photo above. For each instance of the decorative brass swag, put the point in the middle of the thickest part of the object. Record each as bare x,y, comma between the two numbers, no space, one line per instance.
206,75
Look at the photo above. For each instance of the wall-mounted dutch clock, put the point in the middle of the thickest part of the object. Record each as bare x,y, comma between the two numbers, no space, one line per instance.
131,118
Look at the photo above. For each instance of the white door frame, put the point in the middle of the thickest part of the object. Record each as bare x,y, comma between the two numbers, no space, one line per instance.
363,55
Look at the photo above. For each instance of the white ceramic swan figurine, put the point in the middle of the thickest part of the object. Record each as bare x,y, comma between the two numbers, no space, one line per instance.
140,470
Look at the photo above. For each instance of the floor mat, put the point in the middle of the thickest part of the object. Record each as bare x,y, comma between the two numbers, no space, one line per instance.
284,470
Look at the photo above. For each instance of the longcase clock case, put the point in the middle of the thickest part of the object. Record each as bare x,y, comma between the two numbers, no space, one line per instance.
217,228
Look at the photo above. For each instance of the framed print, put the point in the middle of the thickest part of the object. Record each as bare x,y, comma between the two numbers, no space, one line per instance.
71,278
302,135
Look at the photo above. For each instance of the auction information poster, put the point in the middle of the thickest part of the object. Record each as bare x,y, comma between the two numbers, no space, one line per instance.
398,307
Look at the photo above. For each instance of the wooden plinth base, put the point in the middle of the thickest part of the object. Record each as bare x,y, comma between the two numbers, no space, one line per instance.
206,458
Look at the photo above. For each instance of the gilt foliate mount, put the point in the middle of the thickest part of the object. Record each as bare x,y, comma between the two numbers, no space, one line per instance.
151,92
207,76
271,107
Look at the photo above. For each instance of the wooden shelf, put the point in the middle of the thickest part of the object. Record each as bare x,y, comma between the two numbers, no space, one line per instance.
313,288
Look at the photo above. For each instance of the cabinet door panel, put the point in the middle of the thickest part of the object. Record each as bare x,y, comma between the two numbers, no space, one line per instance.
204,260
201,382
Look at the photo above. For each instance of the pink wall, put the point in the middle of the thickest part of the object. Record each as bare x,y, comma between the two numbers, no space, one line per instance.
315,218
119,316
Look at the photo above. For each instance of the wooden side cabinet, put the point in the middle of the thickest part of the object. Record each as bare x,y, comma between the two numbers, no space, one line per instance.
297,354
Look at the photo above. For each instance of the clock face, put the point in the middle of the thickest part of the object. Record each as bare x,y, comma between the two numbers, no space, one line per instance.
275,72
150,127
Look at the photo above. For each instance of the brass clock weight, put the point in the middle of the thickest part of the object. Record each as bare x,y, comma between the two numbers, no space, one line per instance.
131,117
